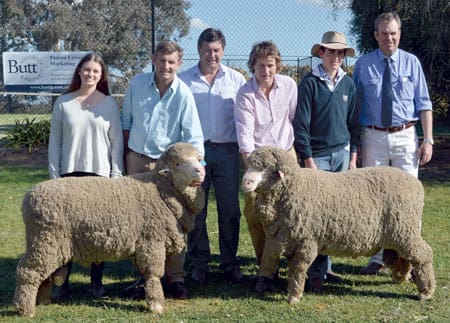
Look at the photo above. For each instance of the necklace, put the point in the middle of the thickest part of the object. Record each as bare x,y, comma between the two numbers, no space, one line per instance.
85,106
86,101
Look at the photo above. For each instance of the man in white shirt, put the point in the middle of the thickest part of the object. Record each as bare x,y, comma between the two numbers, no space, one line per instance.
215,87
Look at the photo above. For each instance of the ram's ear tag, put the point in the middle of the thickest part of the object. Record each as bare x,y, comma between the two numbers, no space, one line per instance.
281,174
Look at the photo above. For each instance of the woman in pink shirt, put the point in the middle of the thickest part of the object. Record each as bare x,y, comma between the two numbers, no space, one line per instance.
264,111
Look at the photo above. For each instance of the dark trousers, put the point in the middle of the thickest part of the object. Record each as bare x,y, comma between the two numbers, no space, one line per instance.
96,274
222,171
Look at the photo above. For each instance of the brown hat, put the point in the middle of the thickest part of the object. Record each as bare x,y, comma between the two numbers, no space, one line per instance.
333,40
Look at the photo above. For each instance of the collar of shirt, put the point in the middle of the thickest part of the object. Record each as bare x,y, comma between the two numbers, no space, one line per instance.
171,88
319,72
257,88
394,58
199,74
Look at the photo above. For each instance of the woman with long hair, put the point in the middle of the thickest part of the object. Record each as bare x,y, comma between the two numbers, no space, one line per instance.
86,139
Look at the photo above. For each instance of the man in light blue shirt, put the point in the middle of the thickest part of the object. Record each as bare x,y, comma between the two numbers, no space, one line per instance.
395,143
158,111
215,87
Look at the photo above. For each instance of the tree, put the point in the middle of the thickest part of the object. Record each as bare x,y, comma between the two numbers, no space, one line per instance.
11,28
120,30
425,30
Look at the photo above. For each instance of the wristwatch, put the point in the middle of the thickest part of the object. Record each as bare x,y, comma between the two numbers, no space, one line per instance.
429,140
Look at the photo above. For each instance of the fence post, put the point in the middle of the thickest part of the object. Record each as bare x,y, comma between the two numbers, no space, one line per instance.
153,30
9,104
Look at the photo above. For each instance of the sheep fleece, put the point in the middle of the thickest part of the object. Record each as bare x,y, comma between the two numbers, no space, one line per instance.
115,218
307,212
92,219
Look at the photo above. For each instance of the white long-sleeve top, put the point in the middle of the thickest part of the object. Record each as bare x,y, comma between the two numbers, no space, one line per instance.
85,139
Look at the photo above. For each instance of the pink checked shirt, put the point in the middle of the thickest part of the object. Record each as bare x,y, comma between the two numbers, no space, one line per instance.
261,121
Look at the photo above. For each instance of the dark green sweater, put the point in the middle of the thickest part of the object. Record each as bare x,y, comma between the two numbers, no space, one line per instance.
325,121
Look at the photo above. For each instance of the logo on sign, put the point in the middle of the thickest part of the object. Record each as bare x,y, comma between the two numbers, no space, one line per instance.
26,67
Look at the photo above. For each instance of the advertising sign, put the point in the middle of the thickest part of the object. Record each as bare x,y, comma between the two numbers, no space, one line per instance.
39,71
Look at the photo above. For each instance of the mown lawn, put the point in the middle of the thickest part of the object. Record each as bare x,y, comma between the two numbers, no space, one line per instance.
360,299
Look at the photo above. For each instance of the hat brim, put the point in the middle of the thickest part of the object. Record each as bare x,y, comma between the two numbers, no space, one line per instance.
349,51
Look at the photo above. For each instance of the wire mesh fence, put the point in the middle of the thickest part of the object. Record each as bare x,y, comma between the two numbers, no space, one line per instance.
294,25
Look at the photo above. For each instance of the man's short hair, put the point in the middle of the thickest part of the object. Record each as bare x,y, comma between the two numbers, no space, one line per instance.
388,17
169,47
210,35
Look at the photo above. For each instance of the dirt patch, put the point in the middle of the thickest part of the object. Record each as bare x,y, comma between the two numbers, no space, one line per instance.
437,169
38,158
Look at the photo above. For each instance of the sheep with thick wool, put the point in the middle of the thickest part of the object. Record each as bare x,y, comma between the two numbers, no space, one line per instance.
93,219
306,212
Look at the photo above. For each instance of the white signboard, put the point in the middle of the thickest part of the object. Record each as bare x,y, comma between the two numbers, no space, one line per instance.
39,71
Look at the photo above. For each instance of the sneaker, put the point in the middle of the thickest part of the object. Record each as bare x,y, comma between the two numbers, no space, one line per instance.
234,275
199,275
136,290
371,269
333,278
177,290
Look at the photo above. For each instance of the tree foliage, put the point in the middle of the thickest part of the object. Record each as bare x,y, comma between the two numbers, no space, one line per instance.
425,33
120,30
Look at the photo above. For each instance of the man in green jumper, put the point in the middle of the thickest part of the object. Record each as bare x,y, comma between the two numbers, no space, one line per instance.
326,126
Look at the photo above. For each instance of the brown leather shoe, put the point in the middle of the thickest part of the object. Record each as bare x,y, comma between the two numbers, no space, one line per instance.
200,275
177,290
98,291
263,284
371,269
60,292
314,285
234,275
135,291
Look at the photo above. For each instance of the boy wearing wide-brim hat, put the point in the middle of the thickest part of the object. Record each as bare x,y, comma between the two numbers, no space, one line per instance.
333,40
326,126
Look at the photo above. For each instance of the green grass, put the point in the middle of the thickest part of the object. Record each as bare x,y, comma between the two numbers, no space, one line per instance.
360,299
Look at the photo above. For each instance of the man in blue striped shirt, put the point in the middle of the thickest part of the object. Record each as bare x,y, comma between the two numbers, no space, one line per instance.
395,144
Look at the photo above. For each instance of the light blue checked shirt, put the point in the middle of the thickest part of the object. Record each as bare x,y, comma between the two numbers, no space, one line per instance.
155,123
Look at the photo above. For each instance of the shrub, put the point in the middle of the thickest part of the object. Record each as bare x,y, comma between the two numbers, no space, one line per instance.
29,134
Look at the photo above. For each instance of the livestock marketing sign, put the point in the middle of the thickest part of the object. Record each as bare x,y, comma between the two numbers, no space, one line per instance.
39,71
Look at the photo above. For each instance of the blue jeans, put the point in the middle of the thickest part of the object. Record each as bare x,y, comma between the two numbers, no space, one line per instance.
222,171
335,162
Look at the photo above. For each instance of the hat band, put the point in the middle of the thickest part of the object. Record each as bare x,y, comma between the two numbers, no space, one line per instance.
336,42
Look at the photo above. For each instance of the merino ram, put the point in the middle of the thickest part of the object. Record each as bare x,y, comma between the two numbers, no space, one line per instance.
93,219
307,212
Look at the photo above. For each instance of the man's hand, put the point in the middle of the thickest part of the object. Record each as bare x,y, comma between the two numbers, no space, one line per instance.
425,153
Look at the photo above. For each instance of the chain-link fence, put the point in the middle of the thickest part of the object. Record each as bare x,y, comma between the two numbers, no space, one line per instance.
294,25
